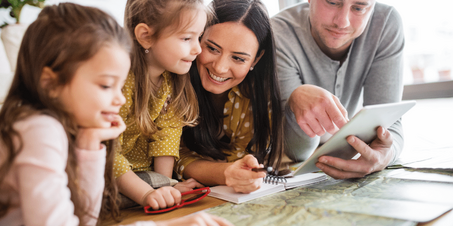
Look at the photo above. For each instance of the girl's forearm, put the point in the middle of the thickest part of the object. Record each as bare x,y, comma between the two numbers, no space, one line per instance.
130,185
164,165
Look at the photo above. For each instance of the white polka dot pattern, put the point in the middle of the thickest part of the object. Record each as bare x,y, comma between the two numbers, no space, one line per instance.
138,150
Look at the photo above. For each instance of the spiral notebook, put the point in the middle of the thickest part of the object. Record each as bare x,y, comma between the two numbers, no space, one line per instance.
228,194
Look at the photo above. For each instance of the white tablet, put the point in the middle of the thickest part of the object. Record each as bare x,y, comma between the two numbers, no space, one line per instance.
363,125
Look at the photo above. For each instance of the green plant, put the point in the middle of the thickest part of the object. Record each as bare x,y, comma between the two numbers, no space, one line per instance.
17,5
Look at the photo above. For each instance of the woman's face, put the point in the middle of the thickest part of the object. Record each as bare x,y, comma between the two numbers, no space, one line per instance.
228,51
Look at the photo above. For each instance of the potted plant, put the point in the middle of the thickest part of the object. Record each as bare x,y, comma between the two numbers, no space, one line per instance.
17,5
11,34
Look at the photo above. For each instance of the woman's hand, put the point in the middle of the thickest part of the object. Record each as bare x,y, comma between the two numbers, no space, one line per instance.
91,138
240,176
162,198
199,219
188,185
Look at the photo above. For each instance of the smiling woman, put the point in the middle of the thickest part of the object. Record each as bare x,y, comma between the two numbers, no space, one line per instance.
235,81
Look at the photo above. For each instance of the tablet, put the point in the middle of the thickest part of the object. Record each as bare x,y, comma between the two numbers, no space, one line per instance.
363,125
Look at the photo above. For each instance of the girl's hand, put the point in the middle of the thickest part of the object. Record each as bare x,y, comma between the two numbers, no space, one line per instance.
240,176
188,185
199,219
91,138
163,197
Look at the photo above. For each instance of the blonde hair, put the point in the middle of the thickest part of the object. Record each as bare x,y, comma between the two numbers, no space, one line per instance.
160,14
61,38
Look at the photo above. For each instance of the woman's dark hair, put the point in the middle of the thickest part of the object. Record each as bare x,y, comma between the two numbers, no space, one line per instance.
260,86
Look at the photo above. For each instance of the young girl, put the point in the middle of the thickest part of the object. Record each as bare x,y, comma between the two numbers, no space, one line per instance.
63,102
239,100
160,98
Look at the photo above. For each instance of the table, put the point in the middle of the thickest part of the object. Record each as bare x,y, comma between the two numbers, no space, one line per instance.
427,126
290,207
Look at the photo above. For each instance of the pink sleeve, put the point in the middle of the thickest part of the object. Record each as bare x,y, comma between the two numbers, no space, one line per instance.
40,168
91,174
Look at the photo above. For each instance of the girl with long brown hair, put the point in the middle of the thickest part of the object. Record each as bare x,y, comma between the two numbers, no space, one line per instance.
160,98
64,100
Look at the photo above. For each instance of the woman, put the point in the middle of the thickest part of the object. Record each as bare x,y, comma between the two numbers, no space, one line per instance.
235,81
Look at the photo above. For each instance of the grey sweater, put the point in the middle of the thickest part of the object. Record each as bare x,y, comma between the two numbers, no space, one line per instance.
373,68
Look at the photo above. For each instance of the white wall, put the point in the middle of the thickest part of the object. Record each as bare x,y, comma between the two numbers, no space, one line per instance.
113,7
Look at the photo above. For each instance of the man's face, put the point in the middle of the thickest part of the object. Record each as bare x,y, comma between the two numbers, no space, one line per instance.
336,23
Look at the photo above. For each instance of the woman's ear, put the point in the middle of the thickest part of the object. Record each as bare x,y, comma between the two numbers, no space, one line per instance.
258,58
144,35
48,80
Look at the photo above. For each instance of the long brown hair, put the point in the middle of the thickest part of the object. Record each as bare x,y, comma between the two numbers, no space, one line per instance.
61,38
159,14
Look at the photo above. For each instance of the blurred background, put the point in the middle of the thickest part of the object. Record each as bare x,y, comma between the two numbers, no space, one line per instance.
428,28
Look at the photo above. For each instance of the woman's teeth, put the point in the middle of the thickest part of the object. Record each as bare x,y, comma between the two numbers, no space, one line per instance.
218,79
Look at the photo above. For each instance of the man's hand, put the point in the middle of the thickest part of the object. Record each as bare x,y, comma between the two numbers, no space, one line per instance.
373,158
240,176
317,110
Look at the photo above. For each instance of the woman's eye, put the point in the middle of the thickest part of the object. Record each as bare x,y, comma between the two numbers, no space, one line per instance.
105,87
186,39
238,59
212,49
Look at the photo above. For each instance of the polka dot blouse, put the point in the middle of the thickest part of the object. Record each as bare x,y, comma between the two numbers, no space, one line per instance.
137,150
237,125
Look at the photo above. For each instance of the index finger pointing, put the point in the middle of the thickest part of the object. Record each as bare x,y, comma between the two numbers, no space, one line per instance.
337,113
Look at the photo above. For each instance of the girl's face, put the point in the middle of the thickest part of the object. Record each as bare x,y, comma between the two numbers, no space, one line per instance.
175,52
228,51
94,95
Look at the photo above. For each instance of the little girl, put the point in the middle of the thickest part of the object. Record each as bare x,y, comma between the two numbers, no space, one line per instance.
160,98
63,102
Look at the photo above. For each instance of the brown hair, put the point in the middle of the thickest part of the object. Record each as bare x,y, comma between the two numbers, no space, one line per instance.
61,38
159,14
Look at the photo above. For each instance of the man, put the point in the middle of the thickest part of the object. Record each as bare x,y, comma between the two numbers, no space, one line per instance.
330,53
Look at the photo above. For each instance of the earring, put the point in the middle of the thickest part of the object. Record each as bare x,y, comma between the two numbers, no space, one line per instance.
146,51
251,68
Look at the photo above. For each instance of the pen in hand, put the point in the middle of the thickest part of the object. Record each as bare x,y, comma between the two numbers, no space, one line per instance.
284,172
267,169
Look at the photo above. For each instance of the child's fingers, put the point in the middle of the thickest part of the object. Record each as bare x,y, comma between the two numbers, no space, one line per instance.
220,221
192,183
118,123
176,195
153,203
163,198
117,127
